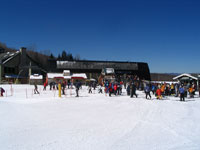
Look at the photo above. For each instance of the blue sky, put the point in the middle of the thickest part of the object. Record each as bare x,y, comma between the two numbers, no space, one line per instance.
165,34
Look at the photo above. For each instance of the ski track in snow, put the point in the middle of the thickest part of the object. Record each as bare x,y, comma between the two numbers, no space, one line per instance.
96,121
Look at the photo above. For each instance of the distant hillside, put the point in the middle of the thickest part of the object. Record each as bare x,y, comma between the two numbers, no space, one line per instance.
163,76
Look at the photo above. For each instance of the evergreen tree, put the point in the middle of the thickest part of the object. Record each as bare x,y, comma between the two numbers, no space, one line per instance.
59,58
51,56
77,57
70,57
64,55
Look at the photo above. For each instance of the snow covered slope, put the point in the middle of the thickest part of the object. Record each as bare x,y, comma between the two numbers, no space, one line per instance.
96,122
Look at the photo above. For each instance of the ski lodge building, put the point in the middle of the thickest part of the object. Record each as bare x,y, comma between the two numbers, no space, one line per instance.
19,66
93,68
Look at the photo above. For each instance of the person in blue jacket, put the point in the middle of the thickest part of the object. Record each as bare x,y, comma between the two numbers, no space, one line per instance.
147,91
182,93
106,87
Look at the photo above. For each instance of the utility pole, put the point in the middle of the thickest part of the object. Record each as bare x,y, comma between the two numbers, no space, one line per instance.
29,71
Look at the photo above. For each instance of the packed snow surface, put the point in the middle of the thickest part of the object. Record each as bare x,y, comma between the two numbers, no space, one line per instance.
96,121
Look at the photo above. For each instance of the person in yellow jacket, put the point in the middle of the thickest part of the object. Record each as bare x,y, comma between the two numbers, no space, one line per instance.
172,89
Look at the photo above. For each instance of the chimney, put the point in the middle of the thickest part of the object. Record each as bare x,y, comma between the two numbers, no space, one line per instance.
23,56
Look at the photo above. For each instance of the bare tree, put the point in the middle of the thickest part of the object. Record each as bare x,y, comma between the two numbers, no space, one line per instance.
4,47
77,57
32,47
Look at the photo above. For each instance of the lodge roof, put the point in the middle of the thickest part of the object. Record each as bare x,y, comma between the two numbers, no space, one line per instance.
5,57
185,75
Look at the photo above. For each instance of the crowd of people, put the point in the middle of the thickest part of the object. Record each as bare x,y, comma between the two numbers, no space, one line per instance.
178,89
131,84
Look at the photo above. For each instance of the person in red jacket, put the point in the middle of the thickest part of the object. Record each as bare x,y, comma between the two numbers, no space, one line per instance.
158,93
45,85
110,87
115,88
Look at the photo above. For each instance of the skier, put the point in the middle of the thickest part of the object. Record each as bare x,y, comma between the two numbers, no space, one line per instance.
153,88
90,88
110,89
107,87
36,89
63,86
68,84
54,85
199,91
94,85
172,89
100,89
167,89
115,89
176,90
147,91
45,85
133,89
2,91
163,89
191,90
158,93
182,93
128,89
77,85
51,85
118,88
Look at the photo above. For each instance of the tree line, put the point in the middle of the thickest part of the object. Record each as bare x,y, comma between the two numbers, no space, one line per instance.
64,56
